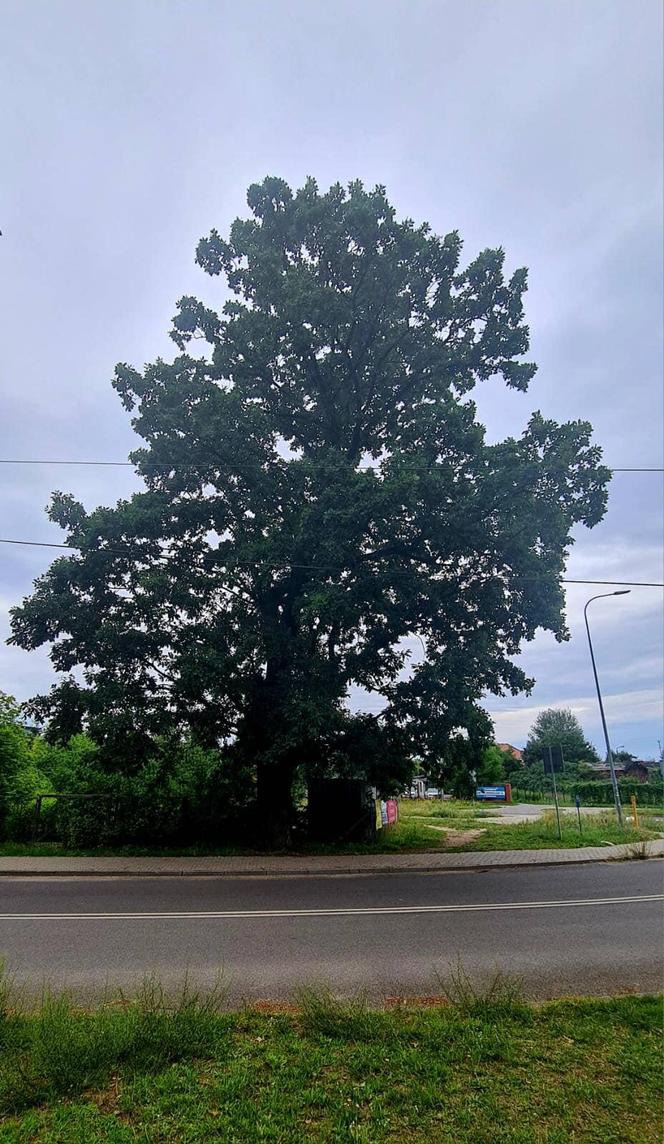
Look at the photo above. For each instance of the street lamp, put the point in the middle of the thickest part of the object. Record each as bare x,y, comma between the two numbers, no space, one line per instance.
609,753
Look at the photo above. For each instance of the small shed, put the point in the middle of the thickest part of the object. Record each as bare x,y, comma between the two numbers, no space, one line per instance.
341,810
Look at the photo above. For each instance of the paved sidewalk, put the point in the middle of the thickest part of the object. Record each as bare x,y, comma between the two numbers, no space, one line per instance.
258,865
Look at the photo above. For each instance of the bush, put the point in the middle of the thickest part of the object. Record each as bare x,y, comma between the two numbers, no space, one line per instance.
184,796
594,792
20,778
600,792
19,820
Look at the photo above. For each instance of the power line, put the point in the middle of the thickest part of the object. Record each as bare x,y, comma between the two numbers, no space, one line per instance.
20,461
310,567
130,465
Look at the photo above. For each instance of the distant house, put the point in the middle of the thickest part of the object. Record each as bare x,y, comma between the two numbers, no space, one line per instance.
510,750
636,770
639,769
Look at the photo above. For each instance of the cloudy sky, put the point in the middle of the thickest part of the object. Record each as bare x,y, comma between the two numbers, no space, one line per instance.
130,128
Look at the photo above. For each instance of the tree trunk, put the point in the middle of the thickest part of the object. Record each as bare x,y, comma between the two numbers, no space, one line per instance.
267,742
275,804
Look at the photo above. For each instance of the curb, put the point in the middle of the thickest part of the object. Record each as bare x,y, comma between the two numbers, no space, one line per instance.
330,866
349,872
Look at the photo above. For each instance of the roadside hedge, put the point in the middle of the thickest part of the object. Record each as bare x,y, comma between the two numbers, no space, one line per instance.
598,792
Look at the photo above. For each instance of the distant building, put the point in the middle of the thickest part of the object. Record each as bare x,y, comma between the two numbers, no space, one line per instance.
636,770
639,769
510,750
421,787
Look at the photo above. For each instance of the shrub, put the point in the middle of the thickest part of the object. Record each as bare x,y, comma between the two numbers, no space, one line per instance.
184,795
593,792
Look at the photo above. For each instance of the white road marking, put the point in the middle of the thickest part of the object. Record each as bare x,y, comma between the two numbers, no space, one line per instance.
205,915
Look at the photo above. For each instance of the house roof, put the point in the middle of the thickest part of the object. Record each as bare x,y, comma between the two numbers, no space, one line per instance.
513,751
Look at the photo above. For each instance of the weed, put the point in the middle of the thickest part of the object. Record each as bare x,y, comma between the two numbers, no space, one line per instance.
62,1050
499,993
326,1015
4,991
637,850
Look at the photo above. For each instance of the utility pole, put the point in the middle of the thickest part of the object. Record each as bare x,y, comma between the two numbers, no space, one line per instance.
609,753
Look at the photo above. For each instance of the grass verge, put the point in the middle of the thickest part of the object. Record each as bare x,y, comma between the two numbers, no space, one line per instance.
480,1069
417,831
596,830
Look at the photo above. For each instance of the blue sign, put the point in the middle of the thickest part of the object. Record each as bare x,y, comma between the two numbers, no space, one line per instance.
491,793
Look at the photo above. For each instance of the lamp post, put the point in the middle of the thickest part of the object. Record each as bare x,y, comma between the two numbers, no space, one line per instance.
609,753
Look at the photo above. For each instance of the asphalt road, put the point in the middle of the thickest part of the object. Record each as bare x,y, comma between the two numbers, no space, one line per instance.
561,930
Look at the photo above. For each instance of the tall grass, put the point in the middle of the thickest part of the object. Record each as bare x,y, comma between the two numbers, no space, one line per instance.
61,1050
499,993
453,810
480,1068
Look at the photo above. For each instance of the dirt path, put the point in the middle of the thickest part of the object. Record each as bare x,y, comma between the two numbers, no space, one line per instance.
457,837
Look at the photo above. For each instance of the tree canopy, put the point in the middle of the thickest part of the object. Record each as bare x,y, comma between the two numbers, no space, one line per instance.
559,727
319,493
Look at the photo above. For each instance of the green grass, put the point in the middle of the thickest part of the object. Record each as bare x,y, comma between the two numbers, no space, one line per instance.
596,830
451,811
408,836
486,1069
10,849
414,833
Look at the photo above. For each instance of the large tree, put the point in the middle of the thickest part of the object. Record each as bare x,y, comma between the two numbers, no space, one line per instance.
318,490
559,727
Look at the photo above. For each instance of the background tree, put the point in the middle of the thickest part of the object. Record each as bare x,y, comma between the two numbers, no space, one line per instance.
513,770
14,743
562,728
493,766
623,757
317,489
21,778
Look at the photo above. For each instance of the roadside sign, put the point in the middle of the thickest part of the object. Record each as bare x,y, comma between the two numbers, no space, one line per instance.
387,812
553,760
491,793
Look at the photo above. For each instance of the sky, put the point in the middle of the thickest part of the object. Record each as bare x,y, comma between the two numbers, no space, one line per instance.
130,129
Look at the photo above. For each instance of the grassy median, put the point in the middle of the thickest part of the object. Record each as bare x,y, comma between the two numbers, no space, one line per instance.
478,1070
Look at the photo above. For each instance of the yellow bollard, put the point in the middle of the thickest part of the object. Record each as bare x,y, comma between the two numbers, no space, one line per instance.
635,813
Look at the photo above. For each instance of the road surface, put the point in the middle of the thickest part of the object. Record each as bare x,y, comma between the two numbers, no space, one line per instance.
579,929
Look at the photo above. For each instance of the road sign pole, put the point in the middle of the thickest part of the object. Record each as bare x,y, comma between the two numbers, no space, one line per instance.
555,763
556,803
